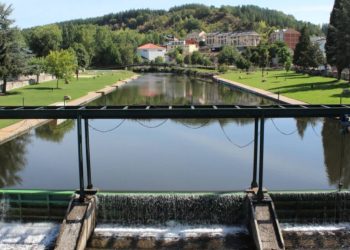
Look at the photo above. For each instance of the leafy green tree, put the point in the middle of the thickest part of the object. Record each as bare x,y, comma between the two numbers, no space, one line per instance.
280,51
288,65
260,56
62,64
36,66
43,39
12,54
179,59
338,36
243,63
197,58
83,58
228,55
306,54
159,60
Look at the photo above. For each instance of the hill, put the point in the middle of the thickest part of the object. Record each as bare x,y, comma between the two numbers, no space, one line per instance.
182,19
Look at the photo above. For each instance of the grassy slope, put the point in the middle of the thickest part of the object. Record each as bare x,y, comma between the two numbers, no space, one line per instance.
46,93
310,89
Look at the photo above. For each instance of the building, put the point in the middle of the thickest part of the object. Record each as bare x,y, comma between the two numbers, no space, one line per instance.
151,51
238,39
198,36
289,36
188,46
321,42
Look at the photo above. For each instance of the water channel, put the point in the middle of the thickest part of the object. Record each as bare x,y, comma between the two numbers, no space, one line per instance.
180,155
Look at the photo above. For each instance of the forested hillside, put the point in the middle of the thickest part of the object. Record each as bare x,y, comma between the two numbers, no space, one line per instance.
183,19
112,39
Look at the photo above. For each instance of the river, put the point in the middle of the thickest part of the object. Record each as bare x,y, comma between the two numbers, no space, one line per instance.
180,155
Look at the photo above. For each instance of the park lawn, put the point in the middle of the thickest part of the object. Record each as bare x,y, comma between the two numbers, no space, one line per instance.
309,89
44,94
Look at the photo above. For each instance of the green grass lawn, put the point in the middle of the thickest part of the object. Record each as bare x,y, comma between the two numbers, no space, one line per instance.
44,94
310,89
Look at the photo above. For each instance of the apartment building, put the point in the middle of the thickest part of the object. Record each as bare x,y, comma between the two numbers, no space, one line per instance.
289,36
238,39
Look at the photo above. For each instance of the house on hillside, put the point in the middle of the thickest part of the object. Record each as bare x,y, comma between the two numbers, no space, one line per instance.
151,51
198,36
289,36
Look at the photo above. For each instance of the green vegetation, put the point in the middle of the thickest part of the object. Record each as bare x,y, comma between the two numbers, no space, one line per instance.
12,55
306,54
310,89
338,45
46,93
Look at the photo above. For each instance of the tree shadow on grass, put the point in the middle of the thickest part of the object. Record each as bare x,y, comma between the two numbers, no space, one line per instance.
310,87
43,88
11,93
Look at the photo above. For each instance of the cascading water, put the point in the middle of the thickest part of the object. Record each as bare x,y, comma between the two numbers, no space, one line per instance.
4,208
151,209
171,221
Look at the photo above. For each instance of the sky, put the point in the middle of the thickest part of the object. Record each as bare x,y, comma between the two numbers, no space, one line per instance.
28,13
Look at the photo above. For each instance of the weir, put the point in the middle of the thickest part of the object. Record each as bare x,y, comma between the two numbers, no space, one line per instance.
226,209
180,220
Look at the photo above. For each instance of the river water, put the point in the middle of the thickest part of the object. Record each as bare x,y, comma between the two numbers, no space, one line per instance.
180,155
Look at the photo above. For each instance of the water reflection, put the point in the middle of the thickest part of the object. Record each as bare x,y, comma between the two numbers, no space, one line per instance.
167,89
53,132
336,146
13,160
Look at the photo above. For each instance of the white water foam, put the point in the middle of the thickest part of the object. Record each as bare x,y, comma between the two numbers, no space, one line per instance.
315,227
27,236
170,231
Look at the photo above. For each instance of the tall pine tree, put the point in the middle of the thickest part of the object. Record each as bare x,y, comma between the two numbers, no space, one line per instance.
338,36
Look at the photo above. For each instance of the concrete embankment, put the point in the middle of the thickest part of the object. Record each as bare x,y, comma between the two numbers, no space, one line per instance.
24,126
256,91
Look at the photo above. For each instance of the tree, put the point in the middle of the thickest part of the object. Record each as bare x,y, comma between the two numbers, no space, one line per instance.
62,64
243,63
228,55
306,53
338,36
280,51
159,60
288,65
83,58
36,66
43,39
260,56
12,53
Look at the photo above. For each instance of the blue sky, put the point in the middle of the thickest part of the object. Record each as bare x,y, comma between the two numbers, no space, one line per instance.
29,13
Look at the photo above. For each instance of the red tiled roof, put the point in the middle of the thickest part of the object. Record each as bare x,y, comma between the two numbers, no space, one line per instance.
150,46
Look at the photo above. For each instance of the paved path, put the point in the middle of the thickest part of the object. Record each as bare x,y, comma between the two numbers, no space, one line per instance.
22,127
260,92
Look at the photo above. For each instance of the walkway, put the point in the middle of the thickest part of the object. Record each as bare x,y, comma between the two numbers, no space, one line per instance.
22,127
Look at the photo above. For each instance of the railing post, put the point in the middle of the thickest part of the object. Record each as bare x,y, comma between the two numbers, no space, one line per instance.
87,152
80,159
254,183
261,159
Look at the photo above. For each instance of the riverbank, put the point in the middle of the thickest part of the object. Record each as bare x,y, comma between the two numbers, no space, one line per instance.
16,129
260,92
291,87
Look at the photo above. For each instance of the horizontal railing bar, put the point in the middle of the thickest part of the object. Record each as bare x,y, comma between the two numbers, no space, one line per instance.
154,112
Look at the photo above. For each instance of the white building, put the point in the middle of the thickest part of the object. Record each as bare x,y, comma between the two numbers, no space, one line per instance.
151,51
321,42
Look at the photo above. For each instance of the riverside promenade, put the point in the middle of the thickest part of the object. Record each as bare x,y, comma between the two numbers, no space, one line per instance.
272,96
23,126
